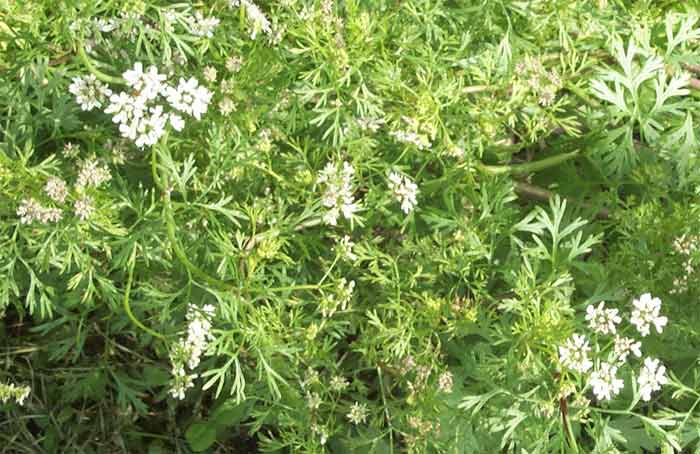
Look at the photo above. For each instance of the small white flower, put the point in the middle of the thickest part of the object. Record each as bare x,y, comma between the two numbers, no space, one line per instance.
70,150
574,353
338,195
203,26
22,392
313,400
29,211
92,174
148,84
177,122
89,92
51,215
445,382
419,140
651,377
404,190
602,320
370,124
125,108
182,381
190,349
18,393
344,248
625,345
151,127
338,383
226,106
189,97
257,21
209,74
604,382
56,189
645,313
84,207
358,413
233,64
105,25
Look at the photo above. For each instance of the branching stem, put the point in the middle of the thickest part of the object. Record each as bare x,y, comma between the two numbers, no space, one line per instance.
127,306
528,167
96,72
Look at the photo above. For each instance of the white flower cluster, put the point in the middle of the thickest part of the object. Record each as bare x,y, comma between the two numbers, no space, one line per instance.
84,207
89,92
30,211
602,320
419,140
603,380
17,393
445,382
358,413
404,190
624,346
686,246
338,195
338,383
605,383
91,174
370,124
646,313
331,303
188,352
574,353
203,26
256,18
140,113
56,189
344,248
651,377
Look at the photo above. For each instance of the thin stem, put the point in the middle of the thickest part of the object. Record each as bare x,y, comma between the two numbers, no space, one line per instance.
127,306
154,170
182,256
478,89
386,409
535,166
96,72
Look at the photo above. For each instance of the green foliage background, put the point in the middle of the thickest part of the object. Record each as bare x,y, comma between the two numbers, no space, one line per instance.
538,196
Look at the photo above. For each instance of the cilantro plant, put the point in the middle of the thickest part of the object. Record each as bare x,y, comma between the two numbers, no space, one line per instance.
308,226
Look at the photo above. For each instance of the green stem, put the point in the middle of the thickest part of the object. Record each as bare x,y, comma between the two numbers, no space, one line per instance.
127,306
154,168
182,256
96,72
535,166
478,89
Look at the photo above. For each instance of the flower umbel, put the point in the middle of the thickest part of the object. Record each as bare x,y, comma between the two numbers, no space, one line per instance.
338,195
189,350
404,190
89,92
646,313
574,353
651,377
623,347
358,413
602,320
604,382
17,393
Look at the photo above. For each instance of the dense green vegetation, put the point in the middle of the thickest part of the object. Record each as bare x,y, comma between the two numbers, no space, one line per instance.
452,226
